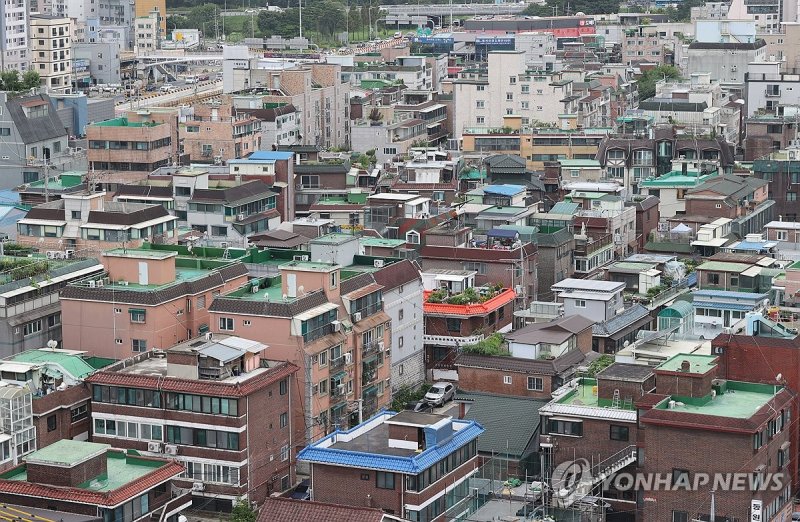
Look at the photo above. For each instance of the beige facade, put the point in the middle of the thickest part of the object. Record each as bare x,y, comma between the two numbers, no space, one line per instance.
51,52
124,151
145,7
211,134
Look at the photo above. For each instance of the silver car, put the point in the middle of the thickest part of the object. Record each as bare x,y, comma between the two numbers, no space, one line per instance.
440,393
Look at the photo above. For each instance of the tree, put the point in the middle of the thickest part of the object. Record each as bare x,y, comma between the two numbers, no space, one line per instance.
563,7
10,81
600,364
646,83
375,115
31,79
243,512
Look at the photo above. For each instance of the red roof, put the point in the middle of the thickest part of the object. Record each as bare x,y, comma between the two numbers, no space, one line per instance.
501,299
97,498
285,509
195,386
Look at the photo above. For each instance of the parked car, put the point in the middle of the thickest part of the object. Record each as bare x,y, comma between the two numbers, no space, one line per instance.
167,88
203,78
301,491
440,393
419,406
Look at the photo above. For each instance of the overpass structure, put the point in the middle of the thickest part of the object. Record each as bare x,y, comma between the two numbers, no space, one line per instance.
411,15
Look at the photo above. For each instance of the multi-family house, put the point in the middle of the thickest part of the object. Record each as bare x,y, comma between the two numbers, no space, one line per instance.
216,132
83,224
782,171
672,188
543,356
65,476
204,403
227,215
145,300
414,465
18,437
596,300
458,312
335,330
60,399
29,298
51,48
124,151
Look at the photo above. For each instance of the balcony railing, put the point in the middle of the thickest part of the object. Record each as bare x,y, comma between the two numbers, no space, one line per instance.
772,93
318,332
370,348
337,363
369,376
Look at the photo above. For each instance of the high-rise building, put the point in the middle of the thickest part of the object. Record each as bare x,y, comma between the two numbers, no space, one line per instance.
145,7
14,35
51,50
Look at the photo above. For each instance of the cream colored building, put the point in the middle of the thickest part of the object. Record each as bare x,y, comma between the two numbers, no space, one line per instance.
51,51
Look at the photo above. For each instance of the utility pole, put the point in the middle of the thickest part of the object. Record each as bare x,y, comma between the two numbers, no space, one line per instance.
300,6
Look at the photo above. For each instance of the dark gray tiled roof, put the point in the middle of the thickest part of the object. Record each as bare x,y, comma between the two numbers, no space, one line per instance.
396,274
356,283
620,321
555,332
246,191
509,422
268,308
32,130
517,364
626,372
156,297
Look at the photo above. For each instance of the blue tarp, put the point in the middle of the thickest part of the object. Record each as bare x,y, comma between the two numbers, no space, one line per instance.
503,233
503,190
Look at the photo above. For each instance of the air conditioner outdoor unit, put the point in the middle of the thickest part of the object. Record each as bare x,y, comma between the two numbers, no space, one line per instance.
92,284
380,346
100,282
240,217
254,289
171,449
340,388
337,326
356,317
224,244
154,447
198,486
300,258
348,358
378,263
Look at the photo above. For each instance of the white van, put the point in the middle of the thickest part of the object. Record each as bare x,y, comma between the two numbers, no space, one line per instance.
190,80
167,88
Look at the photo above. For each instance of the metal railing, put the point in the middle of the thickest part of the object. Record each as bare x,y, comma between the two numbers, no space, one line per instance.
370,348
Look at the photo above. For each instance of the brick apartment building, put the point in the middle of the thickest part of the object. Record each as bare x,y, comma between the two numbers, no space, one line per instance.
60,402
701,424
413,465
216,133
335,330
86,224
543,357
726,196
217,405
86,478
146,299
647,218
123,151
782,171
457,312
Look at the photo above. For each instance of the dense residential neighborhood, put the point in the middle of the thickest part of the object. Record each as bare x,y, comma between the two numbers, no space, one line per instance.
338,261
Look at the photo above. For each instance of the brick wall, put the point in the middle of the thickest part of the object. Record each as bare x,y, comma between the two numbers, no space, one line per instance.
60,403
355,487
491,381
58,476
708,207
627,389
595,444
684,385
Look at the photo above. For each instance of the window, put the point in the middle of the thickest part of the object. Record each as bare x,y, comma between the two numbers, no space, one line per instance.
782,235
5,131
509,96
323,359
139,345
712,279
284,453
384,480
563,427
183,191
506,379
283,387
226,323
202,437
680,516
400,315
117,310
284,420
81,412
580,303
52,422
480,120
480,104
618,432
219,231
333,279
76,214
453,324
32,327
137,315
791,196
322,388
535,384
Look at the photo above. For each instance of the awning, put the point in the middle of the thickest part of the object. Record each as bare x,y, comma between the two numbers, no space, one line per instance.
105,226
725,306
42,222
339,376
317,310
717,242
39,313
753,271
361,292
15,367
137,311
52,372
151,222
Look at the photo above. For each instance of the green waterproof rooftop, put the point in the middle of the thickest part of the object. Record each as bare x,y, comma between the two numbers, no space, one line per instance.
677,178
698,364
586,394
738,400
67,452
121,470
123,122
381,242
70,362
140,252
632,265
57,183
332,239
574,163
721,266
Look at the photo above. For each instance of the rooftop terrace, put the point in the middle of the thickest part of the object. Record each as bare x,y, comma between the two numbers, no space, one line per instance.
124,122
738,400
698,364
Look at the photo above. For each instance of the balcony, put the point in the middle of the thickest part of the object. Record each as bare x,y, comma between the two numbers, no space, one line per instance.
337,363
598,473
318,332
370,348
449,340
369,375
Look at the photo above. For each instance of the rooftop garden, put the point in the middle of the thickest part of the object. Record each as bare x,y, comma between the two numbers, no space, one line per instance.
493,345
14,269
469,296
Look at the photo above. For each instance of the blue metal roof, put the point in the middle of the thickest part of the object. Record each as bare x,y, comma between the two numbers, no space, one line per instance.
727,294
503,190
564,207
271,155
409,465
756,246
724,306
